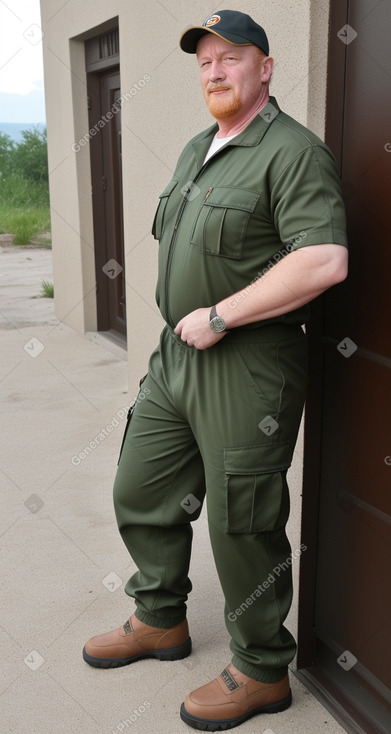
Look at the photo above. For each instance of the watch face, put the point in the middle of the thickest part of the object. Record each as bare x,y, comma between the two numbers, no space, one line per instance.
218,324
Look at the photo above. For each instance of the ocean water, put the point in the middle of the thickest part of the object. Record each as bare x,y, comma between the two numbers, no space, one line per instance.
14,129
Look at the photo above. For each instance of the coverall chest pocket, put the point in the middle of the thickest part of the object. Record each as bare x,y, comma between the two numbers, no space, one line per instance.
222,221
157,226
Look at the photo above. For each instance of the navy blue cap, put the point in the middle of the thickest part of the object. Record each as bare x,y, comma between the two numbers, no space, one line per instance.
231,25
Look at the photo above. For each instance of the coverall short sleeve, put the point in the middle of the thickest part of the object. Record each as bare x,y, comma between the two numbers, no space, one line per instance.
306,199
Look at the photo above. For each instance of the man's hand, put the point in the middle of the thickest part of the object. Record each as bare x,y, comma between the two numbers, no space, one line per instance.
194,329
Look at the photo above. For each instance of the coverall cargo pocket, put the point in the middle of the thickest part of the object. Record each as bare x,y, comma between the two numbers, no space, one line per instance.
157,225
221,224
256,488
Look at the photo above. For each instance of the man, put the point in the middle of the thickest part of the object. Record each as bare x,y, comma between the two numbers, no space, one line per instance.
251,229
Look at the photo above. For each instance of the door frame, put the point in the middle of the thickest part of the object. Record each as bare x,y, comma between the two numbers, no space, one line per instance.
315,331
320,685
102,56
98,209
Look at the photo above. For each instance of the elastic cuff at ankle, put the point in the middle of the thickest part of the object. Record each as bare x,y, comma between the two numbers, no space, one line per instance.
165,623
259,674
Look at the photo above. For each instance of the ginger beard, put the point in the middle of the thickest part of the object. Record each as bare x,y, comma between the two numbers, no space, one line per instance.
223,104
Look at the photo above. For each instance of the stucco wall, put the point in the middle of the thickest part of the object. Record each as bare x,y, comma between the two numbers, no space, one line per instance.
157,121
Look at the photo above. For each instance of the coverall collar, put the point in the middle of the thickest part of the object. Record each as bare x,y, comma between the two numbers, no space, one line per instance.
249,137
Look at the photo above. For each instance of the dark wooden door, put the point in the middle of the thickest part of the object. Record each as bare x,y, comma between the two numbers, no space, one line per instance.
350,378
105,118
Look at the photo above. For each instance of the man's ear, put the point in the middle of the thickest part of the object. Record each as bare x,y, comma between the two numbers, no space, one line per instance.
267,69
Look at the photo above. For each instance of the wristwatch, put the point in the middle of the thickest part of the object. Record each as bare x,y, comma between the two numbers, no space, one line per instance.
216,323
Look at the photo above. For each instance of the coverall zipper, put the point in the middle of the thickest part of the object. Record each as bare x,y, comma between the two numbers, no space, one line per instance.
169,258
171,248
177,223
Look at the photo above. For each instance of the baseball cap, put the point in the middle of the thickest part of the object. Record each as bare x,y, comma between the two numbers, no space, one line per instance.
231,25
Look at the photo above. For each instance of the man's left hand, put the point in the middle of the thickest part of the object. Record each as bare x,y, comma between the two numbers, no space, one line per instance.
194,329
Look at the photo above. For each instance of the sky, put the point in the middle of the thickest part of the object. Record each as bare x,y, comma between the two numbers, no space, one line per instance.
21,67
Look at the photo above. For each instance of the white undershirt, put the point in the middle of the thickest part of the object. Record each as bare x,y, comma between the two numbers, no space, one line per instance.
216,144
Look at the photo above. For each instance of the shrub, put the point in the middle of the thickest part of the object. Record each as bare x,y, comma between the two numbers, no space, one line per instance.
24,188
7,149
30,156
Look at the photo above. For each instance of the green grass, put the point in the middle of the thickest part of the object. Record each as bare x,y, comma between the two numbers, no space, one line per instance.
24,208
24,223
47,289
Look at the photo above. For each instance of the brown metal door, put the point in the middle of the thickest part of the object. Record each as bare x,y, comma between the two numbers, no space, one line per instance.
105,118
351,399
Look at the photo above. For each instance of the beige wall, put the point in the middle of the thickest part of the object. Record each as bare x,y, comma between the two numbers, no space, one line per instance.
157,122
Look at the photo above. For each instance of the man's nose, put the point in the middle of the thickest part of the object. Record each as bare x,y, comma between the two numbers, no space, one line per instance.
216,71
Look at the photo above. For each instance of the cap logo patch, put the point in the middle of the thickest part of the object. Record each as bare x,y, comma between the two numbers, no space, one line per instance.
212,20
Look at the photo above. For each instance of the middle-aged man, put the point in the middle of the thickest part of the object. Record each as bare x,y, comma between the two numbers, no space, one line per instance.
251,228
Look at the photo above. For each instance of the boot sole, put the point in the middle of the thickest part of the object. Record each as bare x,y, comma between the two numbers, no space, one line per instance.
223,724
170,653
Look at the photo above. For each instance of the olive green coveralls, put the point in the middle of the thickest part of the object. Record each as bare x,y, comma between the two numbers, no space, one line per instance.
223,422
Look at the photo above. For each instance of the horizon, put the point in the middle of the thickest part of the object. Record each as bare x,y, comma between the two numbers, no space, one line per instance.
14,129
30,107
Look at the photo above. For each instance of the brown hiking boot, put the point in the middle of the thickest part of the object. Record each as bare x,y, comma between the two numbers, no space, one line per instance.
231,699
135,641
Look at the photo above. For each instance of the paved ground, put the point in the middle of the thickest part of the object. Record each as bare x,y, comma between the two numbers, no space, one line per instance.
63,565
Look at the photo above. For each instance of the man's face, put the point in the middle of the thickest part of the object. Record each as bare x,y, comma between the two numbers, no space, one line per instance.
231,76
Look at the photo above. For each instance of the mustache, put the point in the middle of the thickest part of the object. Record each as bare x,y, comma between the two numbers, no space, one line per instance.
217,88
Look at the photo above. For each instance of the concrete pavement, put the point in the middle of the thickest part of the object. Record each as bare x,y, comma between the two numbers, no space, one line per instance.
63,565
